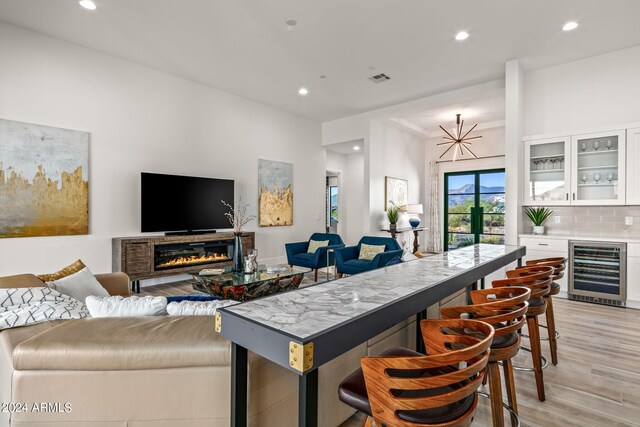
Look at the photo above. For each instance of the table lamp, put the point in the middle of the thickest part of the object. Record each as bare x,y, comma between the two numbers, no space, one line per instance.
415,210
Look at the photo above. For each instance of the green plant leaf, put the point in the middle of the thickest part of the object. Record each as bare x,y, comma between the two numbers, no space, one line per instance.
538,215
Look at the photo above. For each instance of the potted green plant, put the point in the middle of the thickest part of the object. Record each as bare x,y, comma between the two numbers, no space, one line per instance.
538,216
393,215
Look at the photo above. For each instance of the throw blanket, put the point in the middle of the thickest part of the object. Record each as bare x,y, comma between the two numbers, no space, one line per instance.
28,306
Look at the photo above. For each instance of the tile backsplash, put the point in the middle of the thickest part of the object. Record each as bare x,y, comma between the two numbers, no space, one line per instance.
591,221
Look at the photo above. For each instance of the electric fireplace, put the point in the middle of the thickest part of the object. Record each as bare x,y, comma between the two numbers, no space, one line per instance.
179,255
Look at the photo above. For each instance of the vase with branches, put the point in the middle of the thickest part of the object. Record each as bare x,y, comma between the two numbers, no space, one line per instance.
238,218
538,216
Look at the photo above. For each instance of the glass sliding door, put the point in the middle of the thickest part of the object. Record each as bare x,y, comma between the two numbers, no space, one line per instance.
474,208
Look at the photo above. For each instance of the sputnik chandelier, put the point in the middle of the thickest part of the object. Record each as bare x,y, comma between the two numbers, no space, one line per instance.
459,142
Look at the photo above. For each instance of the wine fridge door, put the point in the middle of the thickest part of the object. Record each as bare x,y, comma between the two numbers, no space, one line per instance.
598,270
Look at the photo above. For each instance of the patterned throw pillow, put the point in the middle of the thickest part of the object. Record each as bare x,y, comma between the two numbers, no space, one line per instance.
314,245
28,306
369,252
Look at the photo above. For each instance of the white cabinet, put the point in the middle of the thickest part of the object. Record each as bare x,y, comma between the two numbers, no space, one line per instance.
547,166
588,169
539,247
633,271
633,166
598,168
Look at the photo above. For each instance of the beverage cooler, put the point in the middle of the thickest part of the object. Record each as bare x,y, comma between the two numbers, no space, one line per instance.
598,272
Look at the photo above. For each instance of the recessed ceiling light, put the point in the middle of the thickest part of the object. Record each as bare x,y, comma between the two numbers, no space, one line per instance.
571,25
88,4
303,91
462,35
356,147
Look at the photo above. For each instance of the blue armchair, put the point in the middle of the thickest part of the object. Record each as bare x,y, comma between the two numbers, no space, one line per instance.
347,260
297,252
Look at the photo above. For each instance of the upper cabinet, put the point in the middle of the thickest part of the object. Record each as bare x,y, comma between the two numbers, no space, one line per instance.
586,169
547,171
633,166
598,175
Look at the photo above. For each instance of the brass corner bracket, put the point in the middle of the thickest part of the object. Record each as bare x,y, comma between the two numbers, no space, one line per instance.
218,322
301,356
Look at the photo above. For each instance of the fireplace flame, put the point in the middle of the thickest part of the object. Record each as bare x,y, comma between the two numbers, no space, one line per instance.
193,259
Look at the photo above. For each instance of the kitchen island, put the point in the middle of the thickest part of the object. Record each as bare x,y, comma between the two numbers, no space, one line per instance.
306,328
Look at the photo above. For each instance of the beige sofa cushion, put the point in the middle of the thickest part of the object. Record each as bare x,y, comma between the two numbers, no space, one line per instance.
125,343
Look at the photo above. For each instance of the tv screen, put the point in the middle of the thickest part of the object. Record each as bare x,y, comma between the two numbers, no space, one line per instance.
184,203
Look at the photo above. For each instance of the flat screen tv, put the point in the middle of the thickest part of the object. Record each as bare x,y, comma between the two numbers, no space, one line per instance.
174,203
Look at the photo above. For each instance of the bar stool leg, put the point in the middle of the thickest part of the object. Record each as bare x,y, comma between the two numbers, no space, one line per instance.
495,388
507,367
551,327
536,354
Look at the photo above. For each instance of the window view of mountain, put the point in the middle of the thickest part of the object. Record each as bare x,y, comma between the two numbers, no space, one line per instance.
461,198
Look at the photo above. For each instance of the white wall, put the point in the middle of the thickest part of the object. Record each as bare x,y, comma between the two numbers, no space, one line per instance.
144,120
398,153
602,90
353,201
514,124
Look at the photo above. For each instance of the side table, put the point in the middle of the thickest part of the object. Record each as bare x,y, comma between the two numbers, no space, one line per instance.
335,271
394,232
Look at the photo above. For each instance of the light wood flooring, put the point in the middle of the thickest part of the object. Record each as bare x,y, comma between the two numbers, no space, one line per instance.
597,379
596,382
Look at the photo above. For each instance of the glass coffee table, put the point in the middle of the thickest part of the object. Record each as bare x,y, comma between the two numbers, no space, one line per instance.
246,287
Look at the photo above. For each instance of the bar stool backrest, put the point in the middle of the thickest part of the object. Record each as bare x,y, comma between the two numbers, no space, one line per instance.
559,265
503,308
536,278
395,383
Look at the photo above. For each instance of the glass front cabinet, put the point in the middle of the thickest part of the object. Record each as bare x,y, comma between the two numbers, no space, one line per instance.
584,169
547,167
598,172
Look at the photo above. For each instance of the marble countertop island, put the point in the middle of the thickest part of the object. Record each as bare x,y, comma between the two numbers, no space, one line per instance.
358,307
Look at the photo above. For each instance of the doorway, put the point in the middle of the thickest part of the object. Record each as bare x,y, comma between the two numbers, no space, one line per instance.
474,208
331,217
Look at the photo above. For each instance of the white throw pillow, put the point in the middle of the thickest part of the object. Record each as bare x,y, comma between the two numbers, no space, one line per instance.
28,306
197,308
79,285
126,307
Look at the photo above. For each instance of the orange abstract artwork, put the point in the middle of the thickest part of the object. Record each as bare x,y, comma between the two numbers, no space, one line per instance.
44,184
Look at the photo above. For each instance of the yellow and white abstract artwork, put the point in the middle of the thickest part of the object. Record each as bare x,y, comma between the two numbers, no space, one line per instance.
44,180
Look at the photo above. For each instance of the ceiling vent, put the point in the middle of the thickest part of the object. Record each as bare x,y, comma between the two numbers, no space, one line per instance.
379,78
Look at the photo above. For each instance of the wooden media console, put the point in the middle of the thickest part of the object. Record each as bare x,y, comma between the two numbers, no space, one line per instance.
149,257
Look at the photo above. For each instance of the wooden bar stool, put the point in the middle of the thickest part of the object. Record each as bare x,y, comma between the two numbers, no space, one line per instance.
403,388
559,265
538,280
505,309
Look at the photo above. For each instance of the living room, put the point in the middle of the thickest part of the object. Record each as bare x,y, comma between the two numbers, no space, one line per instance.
213,89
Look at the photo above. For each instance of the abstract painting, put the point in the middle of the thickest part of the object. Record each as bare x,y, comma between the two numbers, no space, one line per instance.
396,192
275,185
44,180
